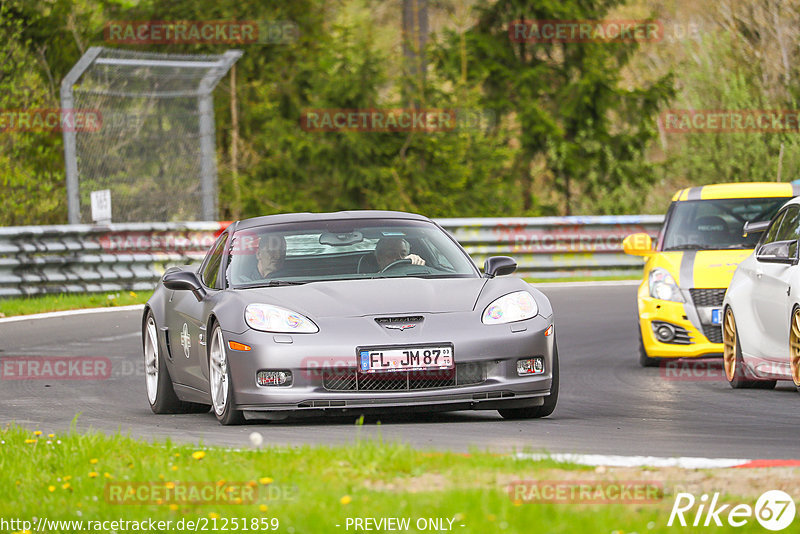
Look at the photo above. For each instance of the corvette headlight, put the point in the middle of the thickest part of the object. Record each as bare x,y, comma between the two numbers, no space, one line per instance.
516,306
663,286
270,318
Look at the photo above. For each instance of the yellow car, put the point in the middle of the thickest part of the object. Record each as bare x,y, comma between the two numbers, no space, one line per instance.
692,262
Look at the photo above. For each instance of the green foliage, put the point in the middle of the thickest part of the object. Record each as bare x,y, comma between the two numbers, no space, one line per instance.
722,79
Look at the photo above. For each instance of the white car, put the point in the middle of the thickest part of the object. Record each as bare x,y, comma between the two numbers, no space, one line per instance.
761,322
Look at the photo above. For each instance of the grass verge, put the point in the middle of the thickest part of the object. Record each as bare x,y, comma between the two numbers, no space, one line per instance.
49,303
82,477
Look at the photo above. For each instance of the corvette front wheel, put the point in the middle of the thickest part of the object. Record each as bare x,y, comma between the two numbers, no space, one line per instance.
160,393
550,401
219,378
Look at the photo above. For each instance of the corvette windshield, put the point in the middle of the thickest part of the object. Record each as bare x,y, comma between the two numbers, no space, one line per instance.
716,224
288,254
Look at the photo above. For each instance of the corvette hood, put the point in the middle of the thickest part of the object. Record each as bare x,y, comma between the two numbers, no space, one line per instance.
349,298
701,268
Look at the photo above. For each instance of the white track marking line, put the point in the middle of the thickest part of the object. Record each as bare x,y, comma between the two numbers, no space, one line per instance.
636,461
67,313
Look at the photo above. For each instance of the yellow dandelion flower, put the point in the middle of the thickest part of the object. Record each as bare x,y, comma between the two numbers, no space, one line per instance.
68,477
37,433
221,483
65,486
169,485
199,455
93,474
174,467
213,515
93,461
518,503
30,441
51,489
132,294
346,499
51,435
173,507
108,475
237,500
263,508
264,481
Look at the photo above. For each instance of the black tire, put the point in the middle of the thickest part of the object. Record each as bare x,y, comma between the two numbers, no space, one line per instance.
550,401
741,379
229,416
166,401
644,359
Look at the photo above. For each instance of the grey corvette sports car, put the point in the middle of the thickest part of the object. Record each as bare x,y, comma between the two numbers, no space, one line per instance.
348,312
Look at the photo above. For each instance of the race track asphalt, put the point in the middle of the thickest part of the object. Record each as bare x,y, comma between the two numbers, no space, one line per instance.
608,404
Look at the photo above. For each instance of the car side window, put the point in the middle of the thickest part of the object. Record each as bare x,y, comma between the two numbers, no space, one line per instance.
790,226
772,232
213,261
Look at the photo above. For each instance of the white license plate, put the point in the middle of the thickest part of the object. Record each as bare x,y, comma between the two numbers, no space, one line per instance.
405,358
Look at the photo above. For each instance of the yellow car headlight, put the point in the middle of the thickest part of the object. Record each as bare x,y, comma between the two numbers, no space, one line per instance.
663,286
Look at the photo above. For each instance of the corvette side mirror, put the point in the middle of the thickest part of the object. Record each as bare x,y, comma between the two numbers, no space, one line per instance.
499,266
184,281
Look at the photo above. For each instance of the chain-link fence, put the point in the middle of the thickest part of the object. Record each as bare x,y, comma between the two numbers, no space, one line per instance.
154,148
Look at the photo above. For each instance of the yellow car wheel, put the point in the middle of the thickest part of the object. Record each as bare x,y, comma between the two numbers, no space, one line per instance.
732,359
794,347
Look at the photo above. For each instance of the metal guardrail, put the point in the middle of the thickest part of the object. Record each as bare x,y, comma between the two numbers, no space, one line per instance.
85,258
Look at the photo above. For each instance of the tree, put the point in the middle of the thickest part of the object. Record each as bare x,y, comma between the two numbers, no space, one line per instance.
572,117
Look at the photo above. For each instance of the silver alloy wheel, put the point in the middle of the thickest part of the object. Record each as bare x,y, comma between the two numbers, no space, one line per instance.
151,360
218,372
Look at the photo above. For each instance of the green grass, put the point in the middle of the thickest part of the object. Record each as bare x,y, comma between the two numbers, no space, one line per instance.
307,489
49,303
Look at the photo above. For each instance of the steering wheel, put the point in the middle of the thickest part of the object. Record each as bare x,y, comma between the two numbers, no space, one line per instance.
404,261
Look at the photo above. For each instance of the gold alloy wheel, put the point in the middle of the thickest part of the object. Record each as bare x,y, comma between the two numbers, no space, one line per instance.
729,342
794,347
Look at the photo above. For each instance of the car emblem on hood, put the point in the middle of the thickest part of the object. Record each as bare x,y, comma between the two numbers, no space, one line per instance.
399,323
399,326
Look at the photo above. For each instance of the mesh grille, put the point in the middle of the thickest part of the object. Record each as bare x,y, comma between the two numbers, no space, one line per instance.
351,380
707,297
713,333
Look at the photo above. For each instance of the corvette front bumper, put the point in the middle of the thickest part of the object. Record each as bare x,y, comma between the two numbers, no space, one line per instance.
492,350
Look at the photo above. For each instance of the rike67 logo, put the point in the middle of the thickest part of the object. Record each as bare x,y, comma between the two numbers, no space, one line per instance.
774,510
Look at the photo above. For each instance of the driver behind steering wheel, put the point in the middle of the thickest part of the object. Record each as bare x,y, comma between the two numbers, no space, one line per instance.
392,249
